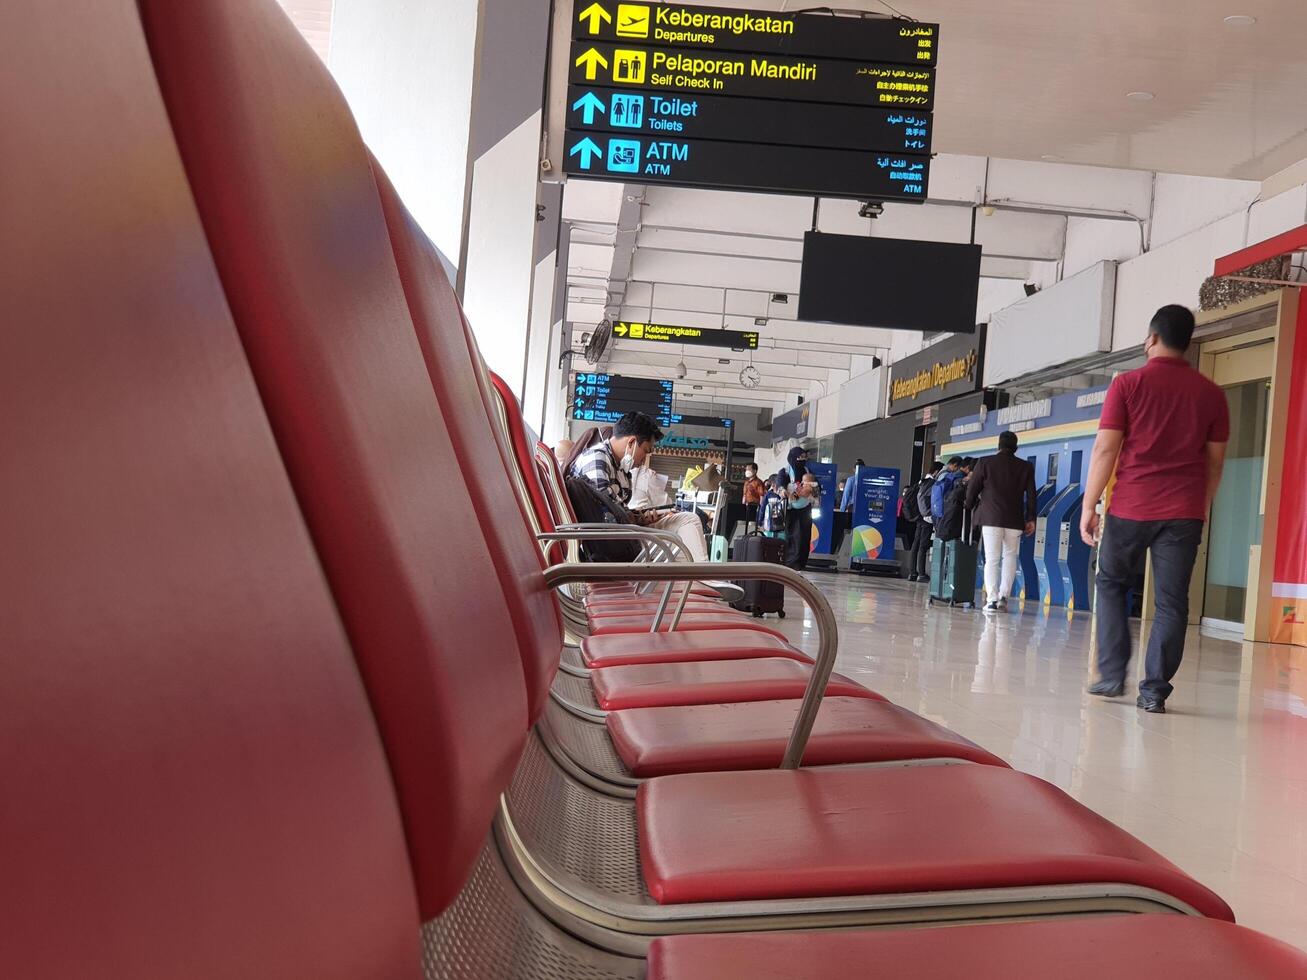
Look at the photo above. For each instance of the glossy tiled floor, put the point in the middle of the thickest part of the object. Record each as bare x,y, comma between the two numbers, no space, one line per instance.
1218,785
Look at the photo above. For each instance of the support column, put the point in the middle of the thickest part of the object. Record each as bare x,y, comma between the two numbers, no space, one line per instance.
449,96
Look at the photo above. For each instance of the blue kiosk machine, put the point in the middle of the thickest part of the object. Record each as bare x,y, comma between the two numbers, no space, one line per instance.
875,522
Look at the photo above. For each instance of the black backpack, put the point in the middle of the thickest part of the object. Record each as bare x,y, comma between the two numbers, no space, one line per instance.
955,502
593,507
911,509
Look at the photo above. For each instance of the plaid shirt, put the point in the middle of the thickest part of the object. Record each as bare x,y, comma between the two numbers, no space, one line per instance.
598,467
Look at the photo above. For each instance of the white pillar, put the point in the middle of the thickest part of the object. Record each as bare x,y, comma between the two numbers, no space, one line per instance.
449,96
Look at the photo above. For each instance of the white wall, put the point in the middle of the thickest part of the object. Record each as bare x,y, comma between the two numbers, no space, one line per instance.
1183,204
1070,320
1171,274
1277,214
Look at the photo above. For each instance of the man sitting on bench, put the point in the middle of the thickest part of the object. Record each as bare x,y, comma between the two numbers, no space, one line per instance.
608,464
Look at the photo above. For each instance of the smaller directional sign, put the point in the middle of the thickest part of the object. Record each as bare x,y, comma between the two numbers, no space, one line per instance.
664,333
749,120
763,76
762,167
728,29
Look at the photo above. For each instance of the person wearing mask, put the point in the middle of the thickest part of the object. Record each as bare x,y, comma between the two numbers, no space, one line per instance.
802,493
753,490
608,464
920,561
851,487
1164,431
1001,498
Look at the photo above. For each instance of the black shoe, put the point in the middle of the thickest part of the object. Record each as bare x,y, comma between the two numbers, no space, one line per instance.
1106,689
1154,706
912,578
923,578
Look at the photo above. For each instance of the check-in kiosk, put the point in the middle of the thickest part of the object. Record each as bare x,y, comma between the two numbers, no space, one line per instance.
1050,543
1027,581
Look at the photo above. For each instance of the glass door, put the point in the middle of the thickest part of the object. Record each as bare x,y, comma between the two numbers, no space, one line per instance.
1235,524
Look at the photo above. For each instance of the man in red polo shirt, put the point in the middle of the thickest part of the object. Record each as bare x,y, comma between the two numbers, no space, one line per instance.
1164,429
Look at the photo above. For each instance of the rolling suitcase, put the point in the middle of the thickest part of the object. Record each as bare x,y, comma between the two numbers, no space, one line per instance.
761,598
953,571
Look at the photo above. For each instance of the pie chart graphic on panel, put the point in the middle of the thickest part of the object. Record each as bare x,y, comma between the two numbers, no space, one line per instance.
867,542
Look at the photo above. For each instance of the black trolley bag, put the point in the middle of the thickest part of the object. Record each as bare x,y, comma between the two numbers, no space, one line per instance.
760,598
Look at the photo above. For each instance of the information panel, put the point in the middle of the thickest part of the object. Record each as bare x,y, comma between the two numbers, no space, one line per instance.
744,120
810,103
664,333
760,76
793,169
727,29
607,397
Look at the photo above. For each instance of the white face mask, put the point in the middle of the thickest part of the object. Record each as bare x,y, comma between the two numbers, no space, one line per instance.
628,461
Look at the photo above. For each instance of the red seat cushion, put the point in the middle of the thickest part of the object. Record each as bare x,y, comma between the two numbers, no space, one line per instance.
712,682
629,589
684,646
718,737
691,621
804,833
1123,947
633,605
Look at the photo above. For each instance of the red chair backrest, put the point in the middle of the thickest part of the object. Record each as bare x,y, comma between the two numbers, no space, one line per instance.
362,359
191,780
295,222
524,462
551,475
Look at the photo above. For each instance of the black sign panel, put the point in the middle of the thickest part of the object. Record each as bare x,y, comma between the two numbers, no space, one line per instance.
748,120
943,370
724,29
664,333
607,397
764,76
789,169
901,284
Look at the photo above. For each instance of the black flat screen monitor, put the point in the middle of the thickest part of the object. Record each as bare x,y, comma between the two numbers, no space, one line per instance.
889,282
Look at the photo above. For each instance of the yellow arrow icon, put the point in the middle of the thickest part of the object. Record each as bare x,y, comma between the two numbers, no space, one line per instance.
620,330
595,13
589,60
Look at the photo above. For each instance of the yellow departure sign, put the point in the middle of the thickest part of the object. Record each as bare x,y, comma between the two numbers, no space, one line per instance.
665,333
896,41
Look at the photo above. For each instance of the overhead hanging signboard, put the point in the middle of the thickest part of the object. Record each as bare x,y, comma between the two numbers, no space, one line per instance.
766,31
808,103
665,333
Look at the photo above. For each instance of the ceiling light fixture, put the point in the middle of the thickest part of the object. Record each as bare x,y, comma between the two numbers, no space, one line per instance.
1140,96
1240,20
1051,158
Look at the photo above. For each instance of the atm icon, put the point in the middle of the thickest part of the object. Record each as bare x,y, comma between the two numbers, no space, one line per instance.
624,156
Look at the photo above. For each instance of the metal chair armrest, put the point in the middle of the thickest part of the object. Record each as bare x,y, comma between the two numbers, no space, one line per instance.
827,635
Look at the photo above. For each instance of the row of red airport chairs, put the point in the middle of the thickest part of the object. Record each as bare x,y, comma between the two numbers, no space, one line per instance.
296,680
